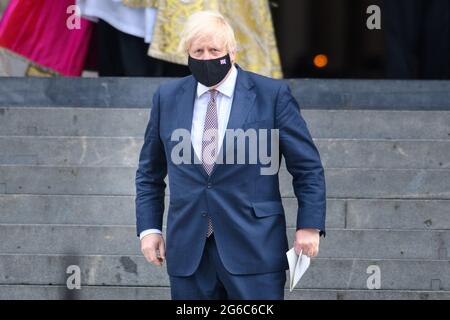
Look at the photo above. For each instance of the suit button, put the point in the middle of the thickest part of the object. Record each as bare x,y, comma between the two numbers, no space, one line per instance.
209,186
203,214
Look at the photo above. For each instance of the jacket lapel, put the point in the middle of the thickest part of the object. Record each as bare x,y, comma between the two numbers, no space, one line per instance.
185,112
243,102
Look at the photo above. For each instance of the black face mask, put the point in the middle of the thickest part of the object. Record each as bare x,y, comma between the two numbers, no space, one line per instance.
210,72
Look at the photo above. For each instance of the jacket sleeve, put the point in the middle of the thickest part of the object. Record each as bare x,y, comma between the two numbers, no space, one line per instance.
150,174
302,161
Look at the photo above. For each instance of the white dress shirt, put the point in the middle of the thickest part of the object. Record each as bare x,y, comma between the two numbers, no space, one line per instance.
224,101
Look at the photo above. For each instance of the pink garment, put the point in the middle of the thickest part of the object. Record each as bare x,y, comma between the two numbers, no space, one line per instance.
37,30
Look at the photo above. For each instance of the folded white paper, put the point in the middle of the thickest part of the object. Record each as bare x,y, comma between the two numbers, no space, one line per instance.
297,267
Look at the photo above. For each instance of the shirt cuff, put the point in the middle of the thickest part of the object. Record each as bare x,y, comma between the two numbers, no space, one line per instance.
147,232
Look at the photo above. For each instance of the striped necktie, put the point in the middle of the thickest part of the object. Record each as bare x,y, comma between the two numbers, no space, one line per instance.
210,141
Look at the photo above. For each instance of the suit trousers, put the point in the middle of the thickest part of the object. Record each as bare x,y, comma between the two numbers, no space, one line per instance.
211,281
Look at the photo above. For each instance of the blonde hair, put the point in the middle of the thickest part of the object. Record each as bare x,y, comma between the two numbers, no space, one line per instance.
203,23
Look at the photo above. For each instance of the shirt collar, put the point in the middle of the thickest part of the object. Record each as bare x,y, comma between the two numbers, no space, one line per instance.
226,88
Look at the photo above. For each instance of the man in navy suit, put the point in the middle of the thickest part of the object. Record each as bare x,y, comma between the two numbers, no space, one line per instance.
226,227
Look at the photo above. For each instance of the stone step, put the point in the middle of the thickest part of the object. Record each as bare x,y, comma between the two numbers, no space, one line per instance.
367,124
120,210
114,92
384,154
341,274
372,294
57,121
45,292
70,151
122,240
371,94
124,151
350,124
341,183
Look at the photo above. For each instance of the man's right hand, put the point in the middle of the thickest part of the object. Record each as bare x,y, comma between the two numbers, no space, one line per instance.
153,248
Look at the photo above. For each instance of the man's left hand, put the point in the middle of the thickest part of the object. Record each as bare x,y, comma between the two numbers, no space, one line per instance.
307,242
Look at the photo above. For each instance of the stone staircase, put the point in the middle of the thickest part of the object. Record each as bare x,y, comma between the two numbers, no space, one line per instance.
68,156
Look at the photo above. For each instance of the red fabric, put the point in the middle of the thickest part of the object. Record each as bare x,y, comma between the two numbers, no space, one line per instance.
37,30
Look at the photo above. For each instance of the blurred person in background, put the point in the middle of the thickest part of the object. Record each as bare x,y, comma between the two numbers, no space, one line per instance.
35,39
251,20
123,36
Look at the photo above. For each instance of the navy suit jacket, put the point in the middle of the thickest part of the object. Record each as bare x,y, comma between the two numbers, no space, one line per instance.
245,206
